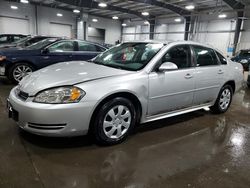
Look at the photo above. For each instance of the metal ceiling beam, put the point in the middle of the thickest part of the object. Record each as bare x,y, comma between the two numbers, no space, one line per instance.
236,5
92,4
174,8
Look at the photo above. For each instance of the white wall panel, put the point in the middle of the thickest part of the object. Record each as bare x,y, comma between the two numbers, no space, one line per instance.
14,25
60,30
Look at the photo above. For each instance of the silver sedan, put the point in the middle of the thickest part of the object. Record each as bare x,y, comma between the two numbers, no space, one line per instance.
129,84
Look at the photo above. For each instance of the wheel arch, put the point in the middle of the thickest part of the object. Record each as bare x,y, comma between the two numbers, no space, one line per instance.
9,65
231,83
125,94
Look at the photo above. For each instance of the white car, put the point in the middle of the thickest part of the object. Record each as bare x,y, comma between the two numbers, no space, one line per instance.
129,84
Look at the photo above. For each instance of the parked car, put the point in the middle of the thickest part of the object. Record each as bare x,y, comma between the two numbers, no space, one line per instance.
10,38
17,63
243,57
131,83
24,42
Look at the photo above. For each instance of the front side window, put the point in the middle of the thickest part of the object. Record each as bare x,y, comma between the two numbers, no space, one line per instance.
204,56
179,55
84,46
223,60
129,56
65,46
16,38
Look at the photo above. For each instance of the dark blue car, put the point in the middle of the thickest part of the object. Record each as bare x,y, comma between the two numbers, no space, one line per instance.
17,63
243,57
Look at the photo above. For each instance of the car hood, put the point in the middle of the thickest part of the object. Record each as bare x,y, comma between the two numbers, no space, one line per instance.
67,73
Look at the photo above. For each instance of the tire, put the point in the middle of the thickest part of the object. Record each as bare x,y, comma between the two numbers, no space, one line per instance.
119,115
22,68
221,105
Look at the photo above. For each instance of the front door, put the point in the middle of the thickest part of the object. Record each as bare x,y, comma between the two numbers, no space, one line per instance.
172,90
58,52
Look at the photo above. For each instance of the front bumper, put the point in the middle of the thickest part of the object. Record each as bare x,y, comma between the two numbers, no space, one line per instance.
52,120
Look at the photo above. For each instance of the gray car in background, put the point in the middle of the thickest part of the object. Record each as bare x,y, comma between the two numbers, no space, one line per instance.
129,84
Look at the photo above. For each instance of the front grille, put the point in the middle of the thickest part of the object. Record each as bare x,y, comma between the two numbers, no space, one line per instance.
46,126
24,96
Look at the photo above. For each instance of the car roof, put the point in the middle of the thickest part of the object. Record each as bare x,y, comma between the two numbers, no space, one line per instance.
173,42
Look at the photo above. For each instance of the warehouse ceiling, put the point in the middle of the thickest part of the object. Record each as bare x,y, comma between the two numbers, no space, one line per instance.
126,9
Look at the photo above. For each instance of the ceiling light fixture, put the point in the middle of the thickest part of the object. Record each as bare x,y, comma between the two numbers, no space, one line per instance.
59,14
124,24
145,13
189,7
76,11
24,1
13,7
222,16
146,22
94,20
115,17
177,20
102,5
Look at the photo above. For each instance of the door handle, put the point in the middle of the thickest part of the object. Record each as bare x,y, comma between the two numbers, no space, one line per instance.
46,57
188,76
220,71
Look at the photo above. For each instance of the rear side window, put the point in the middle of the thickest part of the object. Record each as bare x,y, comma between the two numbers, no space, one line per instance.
222,59
204,56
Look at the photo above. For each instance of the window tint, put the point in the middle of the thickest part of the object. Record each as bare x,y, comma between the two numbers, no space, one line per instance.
245,53
84,46
65,46
3,39
205,56
180,55
16,38
223,60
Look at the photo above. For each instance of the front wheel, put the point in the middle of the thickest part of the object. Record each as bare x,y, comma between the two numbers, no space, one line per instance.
223,101
114,121
19,71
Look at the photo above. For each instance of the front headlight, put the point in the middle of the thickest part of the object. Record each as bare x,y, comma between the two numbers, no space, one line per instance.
60,95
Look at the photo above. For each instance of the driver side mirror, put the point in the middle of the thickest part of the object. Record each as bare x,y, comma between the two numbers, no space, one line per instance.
167,66
45,51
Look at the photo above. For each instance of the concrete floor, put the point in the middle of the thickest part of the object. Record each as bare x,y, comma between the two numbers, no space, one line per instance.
193,150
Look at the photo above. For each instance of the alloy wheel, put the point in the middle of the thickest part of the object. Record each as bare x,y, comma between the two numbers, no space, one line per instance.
21,71
225,99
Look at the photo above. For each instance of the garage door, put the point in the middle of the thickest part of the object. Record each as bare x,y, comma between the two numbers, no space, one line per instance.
60,30
13,26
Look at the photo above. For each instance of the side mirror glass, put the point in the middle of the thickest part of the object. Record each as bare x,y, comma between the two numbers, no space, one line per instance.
167,66
45,51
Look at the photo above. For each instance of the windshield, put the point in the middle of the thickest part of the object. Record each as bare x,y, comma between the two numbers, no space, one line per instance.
22,40
129,56
41,44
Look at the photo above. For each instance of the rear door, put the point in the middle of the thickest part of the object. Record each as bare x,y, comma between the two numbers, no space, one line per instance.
208,75
86,51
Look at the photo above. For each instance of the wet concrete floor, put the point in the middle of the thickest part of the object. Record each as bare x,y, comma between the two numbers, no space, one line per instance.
198,149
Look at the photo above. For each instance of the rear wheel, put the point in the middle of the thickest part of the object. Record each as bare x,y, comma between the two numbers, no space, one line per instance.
19,71
224,100
114,121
